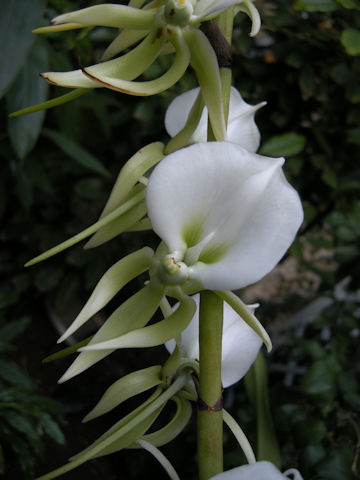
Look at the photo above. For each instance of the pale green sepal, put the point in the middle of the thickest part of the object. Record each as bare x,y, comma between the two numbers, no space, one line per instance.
125,388
117,226
204,62
249,8
152,87
107,443
90,230
240,308
126,67
130,173
132,314
176,425
160,457
183,137
122,422
109,15
256,383
59,28
171,365
54,102
132,436
153,335
143,412
110,284
121,42
123,437
240,436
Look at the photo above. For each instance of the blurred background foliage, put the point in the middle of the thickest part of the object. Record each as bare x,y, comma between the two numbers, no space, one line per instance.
56,171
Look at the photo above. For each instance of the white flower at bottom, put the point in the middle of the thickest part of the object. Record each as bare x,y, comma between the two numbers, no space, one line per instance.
258,471
241,127
226,215
240,344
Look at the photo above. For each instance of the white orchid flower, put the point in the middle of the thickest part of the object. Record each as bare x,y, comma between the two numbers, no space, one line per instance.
241,126
240,344
258,471
226,215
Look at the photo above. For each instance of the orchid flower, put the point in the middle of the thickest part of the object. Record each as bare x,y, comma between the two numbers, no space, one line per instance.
240,344
241,126
258,471
162,26
226,215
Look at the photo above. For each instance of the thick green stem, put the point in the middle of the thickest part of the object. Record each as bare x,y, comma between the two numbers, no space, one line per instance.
210,417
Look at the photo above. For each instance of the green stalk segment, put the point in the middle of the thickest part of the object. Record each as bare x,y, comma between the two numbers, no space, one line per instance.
210,415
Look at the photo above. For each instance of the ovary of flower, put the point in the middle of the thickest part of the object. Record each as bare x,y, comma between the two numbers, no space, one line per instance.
240,344
226,215
241,127
258,471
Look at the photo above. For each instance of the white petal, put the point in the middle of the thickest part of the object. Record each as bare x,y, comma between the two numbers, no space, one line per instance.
241,124
240,344
255,471
239,200
177,113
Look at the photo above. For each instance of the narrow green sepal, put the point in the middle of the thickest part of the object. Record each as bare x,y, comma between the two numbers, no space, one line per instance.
110,284
176,425
109,15
131,315
256,383
204,62
171,365
67,351
152,335
125,207
54,102
151,87
125,388
183,137
241,309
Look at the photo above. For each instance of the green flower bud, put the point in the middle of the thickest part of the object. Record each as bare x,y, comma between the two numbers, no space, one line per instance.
178,12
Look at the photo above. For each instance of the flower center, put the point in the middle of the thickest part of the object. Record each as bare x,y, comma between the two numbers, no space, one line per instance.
173,272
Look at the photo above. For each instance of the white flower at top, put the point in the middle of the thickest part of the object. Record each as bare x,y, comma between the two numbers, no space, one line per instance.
226,215
241,127
240,344
258,471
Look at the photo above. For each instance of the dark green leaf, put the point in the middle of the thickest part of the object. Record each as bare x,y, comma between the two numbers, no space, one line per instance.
12,373
76,152
28,89
283,145
320,377
17,19
350,40
336,466
20,423
316,5
350,4
312,430
51,428
312,454
12,329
